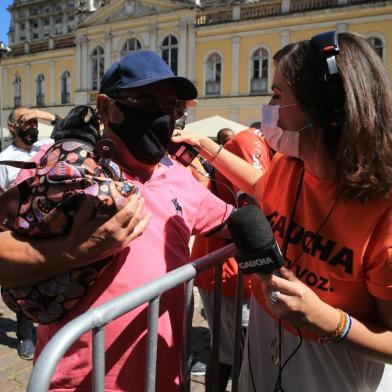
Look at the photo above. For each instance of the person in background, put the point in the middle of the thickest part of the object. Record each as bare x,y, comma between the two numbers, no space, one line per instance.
23,127
324,323
251,146
224,135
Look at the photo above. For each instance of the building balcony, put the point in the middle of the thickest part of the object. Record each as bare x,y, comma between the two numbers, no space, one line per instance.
65,98
268,9
258,86
24,3
17,102
40,99
213,88
64,41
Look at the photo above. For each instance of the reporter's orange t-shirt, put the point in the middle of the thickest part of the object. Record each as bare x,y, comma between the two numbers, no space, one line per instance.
250,145
348,263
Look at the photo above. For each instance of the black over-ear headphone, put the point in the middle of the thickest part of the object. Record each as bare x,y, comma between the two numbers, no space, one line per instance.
327,47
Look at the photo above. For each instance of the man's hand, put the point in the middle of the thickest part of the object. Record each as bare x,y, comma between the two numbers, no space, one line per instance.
94,239
26,260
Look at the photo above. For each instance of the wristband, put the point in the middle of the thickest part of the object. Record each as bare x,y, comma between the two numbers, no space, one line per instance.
217,153
341,331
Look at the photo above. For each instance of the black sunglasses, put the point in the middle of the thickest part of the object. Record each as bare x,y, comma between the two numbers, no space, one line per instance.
150,104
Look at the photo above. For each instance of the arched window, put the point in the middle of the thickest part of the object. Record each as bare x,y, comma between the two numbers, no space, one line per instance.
40,90
17,89
65,87
259,72
97,67
170,52
213,74
378,45
131,45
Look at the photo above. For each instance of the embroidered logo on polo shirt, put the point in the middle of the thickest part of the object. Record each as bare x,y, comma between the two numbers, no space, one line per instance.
177,206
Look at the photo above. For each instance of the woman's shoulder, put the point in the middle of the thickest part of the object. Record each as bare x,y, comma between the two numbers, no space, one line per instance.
284,163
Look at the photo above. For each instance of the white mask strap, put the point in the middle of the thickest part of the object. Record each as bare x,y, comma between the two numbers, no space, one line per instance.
287,106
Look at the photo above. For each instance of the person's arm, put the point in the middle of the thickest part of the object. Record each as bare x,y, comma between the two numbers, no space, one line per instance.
299,305
27,260
239,172
38,114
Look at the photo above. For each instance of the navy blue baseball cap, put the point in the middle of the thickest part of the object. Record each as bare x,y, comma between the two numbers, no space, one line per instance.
141,68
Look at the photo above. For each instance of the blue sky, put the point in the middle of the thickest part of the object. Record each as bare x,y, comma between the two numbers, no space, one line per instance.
4,20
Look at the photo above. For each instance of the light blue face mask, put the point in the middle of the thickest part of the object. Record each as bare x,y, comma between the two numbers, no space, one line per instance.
285,142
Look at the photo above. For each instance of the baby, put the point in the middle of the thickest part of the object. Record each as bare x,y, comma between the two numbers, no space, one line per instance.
77,165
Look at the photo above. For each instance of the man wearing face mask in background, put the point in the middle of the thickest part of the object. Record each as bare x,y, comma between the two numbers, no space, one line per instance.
23,127
139,101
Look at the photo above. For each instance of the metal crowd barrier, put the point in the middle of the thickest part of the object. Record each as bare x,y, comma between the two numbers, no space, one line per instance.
95,320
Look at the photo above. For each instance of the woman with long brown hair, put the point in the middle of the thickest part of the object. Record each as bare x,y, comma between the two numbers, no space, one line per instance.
325,323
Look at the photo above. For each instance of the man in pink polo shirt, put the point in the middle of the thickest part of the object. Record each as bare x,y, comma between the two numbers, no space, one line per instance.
139,101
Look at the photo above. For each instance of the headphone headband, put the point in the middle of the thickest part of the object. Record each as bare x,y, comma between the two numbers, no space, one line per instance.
327,47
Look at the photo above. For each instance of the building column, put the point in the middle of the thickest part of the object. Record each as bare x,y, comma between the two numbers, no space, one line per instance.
341,27
51,28
236,12
191,51
235,64
78,64
284,38
28,31
108,49
52,82
27,86
40,28
17,33
5,98
154,38
234,114
85,63
285,6
182,49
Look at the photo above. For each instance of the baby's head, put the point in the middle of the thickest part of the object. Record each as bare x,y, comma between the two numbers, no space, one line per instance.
81,123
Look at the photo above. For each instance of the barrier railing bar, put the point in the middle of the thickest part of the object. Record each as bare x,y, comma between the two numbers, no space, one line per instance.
216,329
188,315
152,345
98,353
97,317
239,295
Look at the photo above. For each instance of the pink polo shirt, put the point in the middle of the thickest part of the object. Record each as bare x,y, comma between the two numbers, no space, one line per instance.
180,207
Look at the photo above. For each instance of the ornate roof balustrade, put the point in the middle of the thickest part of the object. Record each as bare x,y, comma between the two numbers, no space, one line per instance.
43,45
266,9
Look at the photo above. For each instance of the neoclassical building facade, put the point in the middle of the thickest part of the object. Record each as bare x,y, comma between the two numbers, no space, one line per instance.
226,49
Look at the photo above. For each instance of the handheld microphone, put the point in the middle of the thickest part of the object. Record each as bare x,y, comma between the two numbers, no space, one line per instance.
252,234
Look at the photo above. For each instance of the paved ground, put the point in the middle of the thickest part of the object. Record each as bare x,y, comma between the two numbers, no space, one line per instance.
14,372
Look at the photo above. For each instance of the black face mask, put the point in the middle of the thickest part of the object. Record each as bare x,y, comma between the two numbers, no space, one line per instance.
28,136
146,135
